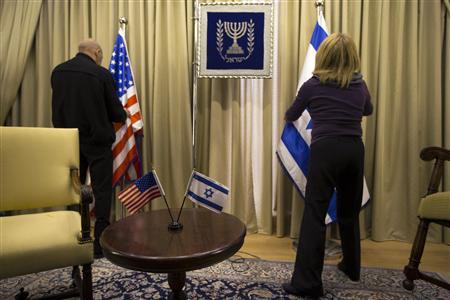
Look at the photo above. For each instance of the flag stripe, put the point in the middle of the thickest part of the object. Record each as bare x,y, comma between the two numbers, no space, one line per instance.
121,169
145,195
128,195
141,202
124,197
293,175
318,36
210,183
124,159
132,100
296,146
204,201
120,132
129,190
144,198
136,118
123,142
304,126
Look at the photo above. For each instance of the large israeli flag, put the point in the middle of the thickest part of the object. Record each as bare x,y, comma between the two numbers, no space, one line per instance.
293,149
207,192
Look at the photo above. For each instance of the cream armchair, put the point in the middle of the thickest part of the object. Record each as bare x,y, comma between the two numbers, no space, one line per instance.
39,169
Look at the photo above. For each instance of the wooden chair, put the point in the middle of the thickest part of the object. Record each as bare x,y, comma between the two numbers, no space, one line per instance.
433,208
39,170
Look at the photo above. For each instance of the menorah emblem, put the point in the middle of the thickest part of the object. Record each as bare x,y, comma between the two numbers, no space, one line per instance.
235,30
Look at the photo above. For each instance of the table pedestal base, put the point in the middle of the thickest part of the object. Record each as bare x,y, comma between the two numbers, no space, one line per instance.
176,283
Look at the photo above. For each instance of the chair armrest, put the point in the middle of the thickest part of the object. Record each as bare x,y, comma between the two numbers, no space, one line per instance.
431,153
86,198
440,155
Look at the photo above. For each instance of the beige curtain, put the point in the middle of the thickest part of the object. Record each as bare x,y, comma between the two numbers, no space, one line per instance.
404,48
161,64
17,28
403,57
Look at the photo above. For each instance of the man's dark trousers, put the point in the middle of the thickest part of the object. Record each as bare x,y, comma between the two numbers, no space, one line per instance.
99,160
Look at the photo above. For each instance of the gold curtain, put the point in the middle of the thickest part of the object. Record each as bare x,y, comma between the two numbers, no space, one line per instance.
17,28
161,64
404,48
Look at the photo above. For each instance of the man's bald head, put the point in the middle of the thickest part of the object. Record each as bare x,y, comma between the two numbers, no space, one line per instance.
91,48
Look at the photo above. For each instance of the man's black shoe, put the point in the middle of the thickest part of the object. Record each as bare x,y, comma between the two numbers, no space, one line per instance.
342,268
288,288
98,255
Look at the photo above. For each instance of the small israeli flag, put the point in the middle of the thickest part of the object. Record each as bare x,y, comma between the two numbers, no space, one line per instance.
207,192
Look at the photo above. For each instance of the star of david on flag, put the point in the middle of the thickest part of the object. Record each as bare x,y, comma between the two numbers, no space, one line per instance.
206,192
126,159
294,147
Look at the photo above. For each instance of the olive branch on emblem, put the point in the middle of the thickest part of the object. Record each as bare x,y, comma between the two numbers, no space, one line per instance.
219,37
250,37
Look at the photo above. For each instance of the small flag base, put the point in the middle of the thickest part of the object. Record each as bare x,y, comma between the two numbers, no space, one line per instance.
174,226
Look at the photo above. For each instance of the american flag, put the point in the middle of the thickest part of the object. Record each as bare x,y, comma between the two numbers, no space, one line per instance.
139,193
125,154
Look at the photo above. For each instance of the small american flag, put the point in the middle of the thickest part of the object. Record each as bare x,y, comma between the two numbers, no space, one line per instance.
139,193
125,154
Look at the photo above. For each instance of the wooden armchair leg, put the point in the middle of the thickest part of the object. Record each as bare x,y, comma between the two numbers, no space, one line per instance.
411,271
80,287
76,277
86,292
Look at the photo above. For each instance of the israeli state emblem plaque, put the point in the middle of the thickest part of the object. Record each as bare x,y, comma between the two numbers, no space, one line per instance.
235,40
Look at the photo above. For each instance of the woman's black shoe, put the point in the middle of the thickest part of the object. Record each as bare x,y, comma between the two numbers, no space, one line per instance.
353,277
288,288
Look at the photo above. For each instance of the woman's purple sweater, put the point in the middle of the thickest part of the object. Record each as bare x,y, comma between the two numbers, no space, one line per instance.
335,111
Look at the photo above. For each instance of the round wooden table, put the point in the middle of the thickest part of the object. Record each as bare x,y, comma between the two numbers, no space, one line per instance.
143,242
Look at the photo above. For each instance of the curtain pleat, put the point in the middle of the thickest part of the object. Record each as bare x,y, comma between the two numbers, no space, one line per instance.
18,22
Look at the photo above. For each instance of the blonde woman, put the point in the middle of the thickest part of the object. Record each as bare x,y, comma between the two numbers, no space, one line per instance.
337,98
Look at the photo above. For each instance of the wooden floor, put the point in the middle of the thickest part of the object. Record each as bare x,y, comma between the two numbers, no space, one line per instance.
390,254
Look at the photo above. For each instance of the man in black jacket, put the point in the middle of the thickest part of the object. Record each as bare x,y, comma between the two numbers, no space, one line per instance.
84,97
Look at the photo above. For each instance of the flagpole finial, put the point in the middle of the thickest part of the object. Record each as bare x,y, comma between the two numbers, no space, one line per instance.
320,3
123,20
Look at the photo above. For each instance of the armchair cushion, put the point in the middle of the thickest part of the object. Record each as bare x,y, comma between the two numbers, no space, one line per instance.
35,167
30,243
435,206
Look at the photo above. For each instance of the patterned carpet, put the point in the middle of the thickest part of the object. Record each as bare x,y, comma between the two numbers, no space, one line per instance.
236,278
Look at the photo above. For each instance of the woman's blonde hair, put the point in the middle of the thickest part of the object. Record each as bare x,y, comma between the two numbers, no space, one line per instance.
337,59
